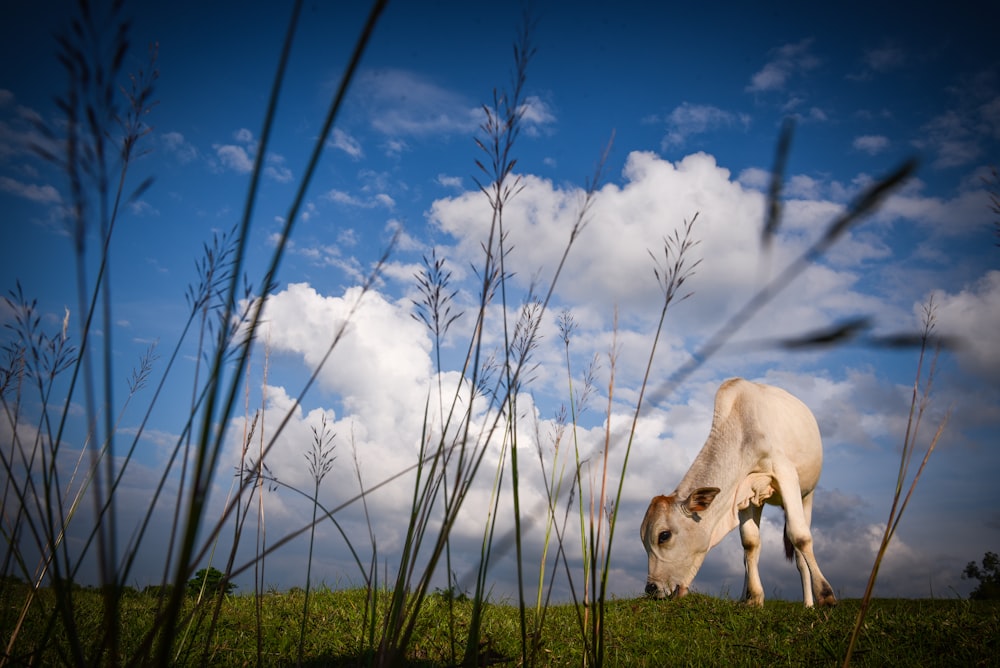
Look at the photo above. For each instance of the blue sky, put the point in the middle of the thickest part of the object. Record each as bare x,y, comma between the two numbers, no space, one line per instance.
694,97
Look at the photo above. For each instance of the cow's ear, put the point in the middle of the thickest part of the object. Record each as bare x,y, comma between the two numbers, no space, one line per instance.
701,498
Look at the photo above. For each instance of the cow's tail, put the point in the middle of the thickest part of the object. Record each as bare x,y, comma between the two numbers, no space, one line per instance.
789,548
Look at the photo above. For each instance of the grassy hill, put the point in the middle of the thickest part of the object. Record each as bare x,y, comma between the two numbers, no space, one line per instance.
696,630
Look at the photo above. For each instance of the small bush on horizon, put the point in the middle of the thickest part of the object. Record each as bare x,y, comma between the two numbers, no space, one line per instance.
210,580
988,588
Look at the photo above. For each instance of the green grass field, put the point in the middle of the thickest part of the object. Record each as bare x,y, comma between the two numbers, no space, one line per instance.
697,630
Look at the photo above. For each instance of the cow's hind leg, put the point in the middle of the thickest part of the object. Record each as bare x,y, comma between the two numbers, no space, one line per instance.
820,587
801,565
798,513
753,590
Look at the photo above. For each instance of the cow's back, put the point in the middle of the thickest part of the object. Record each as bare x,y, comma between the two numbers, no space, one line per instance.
771,425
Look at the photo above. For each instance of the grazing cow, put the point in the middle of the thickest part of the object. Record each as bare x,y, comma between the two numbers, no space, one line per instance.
764,446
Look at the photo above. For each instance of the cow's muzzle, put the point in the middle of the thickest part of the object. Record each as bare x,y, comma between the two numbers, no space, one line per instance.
653,590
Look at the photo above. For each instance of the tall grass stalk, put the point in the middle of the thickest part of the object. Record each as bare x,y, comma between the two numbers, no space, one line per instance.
674,271
919,402
210,440
261,544
553,480
434,310
500,131
90,151
320,458
92,158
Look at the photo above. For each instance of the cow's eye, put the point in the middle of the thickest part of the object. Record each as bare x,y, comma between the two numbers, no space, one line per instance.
663,537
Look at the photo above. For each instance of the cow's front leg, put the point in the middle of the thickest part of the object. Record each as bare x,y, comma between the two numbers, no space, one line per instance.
753,590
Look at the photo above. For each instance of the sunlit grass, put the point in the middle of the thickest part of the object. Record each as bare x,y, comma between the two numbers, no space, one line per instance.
695,630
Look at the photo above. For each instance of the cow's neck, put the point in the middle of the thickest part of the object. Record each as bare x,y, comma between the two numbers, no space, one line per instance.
717,466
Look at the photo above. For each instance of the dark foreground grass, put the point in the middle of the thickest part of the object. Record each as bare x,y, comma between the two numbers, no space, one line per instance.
697,630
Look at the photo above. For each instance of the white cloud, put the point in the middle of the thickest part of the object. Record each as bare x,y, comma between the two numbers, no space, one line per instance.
240,157
989,116
378,200
871,144
244,136
755,177
801,186
347,237
380,373
693,119
380,368
786,61
536,115
817,114
404,241
400,102
142,208
812,115
276,169
175,143
394,147
44,194
21,135
308,211
951,139
610,265
234,157
880,61
966,210
885,59
346,143
973,316
449,181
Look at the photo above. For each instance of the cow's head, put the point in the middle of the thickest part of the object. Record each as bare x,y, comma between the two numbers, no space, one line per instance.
676,541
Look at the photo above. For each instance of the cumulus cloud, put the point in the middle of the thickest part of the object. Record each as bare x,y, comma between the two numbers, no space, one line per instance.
941,216
973,316
380,373
382,362
610,266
